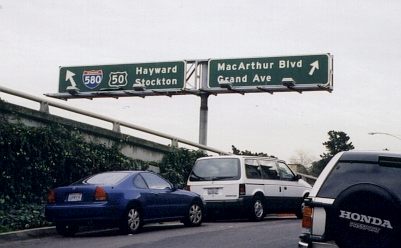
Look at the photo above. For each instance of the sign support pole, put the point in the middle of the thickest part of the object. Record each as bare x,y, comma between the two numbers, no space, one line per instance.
203,116
203,119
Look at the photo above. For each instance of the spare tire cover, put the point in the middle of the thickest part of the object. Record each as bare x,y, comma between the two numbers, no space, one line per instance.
366,216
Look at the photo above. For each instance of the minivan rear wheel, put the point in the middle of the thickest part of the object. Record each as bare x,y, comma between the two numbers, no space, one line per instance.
257,209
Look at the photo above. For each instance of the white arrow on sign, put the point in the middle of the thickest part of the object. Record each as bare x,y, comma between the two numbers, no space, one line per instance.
315,65
69,76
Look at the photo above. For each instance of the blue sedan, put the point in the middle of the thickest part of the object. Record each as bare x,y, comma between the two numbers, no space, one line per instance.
127,199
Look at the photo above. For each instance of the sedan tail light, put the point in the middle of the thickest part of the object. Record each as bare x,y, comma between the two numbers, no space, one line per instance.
100,194
51,196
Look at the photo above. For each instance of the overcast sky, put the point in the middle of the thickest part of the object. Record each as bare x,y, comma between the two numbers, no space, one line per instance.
36,37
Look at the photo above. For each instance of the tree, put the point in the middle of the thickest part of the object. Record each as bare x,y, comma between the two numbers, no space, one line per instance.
177,164
338,142
236,151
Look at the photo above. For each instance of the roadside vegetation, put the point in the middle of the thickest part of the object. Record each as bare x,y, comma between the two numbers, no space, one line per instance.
177,165
338,142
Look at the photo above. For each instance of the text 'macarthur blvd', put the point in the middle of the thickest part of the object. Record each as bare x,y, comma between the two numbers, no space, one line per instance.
282,64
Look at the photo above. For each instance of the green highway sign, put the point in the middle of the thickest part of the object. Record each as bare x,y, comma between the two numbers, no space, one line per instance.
167,76
272,72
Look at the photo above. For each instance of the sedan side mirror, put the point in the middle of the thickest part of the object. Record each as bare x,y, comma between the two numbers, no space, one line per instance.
174,187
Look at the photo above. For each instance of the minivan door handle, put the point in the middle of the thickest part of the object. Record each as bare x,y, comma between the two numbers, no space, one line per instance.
282,188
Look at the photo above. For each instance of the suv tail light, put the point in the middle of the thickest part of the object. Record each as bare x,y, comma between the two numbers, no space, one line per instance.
307,219
51,196
100,194
242,189
188,188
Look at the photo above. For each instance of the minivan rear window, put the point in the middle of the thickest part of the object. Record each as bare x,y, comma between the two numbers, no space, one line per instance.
216,169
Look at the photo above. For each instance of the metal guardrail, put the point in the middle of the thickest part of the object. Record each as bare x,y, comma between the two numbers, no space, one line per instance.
307,176
310,179
45,103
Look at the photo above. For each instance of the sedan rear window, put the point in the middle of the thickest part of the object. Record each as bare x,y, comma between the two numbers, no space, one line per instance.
216,169
108,178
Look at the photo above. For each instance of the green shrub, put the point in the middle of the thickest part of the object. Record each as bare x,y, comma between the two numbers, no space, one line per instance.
22,216
177,164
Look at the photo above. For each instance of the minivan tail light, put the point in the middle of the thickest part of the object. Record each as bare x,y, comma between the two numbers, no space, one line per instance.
242,189
100,194
188,188
307,219
51,196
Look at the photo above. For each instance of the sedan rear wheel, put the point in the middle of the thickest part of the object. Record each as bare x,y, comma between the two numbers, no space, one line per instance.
132,222
195,215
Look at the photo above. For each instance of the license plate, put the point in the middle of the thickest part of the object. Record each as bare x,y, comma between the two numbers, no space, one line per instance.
73,197
213,191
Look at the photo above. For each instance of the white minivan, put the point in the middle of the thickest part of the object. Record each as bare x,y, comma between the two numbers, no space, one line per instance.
248,184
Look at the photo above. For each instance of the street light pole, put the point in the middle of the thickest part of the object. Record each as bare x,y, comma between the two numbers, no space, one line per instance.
388,134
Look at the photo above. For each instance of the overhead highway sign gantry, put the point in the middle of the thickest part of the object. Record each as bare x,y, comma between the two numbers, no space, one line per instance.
198,77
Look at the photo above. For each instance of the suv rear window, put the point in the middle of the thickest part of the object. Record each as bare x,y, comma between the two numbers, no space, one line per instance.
216,169
348,173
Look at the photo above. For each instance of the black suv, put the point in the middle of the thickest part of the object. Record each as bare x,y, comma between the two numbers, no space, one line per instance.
355,202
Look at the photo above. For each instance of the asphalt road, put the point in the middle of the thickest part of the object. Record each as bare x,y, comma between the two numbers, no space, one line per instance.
272,232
